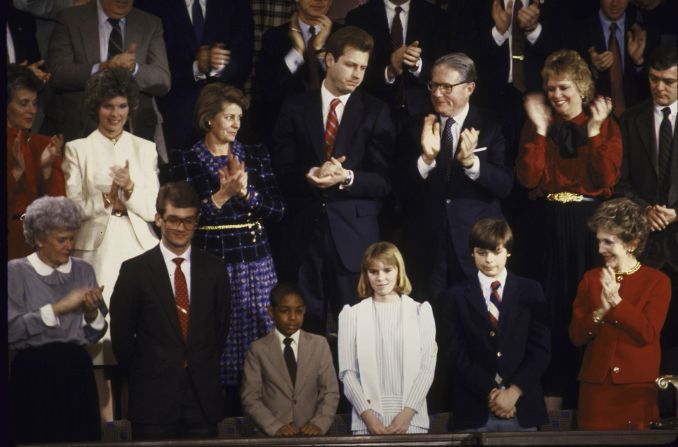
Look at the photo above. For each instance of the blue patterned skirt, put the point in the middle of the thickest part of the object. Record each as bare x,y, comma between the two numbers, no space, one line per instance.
251,284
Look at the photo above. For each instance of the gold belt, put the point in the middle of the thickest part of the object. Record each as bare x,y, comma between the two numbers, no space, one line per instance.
567,197
247,225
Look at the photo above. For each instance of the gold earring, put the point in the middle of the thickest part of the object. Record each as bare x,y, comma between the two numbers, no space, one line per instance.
209,123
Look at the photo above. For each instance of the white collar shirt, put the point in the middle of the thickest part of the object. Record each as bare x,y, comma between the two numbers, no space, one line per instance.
659,116
327,98
294,344
486,285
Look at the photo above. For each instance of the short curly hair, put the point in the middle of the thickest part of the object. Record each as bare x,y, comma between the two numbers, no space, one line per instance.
20,77
108,84
568,63
625,219
46,214
212,99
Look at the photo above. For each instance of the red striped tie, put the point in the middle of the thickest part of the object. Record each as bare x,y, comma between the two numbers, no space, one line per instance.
495,304
181,296
331,127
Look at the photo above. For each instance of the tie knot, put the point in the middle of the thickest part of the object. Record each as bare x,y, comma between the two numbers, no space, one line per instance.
114,22
178,261
335,102
312,30
398,10
613,27
666,111
449,123
287,341
495,285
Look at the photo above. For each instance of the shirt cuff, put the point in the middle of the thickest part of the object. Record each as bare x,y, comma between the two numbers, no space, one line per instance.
95,68
294,59
136,70
386,78
416,71
423,168
533,35
48,317
217,72
98,324
197,74
499,39
351,178
474,171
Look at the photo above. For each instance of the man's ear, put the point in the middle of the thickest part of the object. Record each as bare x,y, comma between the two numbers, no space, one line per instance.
158,220
329,59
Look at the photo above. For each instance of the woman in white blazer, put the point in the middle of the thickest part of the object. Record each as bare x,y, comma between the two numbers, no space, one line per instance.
387,348
112,175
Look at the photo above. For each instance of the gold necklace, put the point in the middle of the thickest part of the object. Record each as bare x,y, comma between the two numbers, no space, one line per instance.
620,275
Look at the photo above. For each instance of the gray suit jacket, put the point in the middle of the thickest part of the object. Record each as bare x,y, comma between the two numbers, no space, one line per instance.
268,396
74,49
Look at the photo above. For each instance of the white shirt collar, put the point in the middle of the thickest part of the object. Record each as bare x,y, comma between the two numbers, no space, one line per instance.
486,281
673,107
460,117
44,269
390,6
281,337
327,96
170,256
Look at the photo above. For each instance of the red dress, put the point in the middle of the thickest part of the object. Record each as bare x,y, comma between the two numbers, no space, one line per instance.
621,361
30,186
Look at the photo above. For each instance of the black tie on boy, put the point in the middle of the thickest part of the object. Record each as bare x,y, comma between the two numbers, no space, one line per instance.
290,360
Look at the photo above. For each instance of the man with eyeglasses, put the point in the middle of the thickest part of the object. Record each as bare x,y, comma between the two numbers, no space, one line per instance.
649,176
169,319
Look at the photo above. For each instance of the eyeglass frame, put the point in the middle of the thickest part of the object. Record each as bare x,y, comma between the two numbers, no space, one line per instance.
194,221
433,86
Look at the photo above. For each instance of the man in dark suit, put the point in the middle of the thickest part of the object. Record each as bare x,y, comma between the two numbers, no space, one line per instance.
169,319
207,41
622,57
496,339
81,45
649,176
408,36
332,160
288,63
455,176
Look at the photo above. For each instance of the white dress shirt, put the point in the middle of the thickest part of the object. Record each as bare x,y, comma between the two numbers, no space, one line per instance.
499,39
11,52
105,29
295,342
169,257
486,285
658,117
404,19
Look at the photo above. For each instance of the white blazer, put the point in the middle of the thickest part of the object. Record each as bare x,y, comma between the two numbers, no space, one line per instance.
356,327
86,165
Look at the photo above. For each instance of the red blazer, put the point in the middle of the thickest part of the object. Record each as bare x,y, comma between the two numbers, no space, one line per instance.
627,341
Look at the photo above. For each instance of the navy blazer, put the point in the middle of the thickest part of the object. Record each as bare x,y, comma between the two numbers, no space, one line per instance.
147,340
438,203
426,24
519,350
366,137
226,21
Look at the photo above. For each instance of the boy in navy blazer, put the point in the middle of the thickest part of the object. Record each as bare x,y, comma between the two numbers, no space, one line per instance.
497,340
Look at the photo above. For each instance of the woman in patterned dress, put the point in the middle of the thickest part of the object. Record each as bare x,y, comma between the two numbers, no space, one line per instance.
238,191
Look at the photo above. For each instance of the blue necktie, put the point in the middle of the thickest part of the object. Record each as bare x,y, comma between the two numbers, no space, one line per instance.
198,21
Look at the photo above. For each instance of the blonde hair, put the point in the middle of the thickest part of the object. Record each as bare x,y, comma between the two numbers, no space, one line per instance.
568,63
389,255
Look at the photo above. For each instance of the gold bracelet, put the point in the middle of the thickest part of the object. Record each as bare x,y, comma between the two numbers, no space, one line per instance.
128,191
597,318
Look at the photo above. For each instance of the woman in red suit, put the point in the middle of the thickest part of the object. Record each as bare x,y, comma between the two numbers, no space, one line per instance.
33,161
618,314
569,159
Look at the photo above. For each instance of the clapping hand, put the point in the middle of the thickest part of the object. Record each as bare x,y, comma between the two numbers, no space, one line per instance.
329,174
127,60
528,18
232,180
660,217
430,139
600,108
37,71
635,43
121,178
609,294
468,142
538,112
91,301
601,61
502,16
18,162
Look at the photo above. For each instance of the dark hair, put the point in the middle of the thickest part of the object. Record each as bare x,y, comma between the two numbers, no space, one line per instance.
281,290
20,77
108,84
625,219
349,36
210,102
177,194
489,234
664,57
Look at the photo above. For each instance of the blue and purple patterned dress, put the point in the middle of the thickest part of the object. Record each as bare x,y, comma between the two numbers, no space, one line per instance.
243,245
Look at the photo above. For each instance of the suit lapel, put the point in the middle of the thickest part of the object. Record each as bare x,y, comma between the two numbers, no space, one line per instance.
673,170
475,299
162,285
275,355
508,297
304,351
647,135
350,122
89,27
314,124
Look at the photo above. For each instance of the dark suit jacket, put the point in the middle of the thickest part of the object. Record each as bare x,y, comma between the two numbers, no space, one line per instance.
273,82
427,25
366,138
590,34
22,27
639,178
74,49
473,349
228,22
438,203
147,339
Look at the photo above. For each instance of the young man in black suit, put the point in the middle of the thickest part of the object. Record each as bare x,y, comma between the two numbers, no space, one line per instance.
169,319
497,340
332,160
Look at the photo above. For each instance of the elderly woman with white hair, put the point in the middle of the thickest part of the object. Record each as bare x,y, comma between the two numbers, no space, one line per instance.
54,308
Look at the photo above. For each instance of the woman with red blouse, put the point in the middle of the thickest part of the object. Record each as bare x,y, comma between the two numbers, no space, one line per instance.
569,159
33,161
618,315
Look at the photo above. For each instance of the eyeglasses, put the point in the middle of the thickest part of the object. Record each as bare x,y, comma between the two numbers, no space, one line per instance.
667,81
173,223
444,88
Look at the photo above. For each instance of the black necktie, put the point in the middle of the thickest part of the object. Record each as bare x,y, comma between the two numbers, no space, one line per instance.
664,158
198,21
312,61
115,39
290,361
447,145
397,30
518,50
